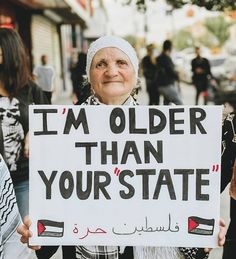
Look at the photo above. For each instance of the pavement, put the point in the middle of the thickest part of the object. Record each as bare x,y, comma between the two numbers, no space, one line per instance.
188,95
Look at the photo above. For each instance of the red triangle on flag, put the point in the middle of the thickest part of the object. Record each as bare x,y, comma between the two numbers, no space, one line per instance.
192,224
41,228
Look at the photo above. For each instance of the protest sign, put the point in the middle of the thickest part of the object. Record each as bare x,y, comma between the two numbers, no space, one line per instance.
112,175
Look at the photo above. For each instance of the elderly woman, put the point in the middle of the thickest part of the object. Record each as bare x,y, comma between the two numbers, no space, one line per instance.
112,70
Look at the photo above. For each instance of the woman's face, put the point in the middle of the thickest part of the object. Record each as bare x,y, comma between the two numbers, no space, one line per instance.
112,76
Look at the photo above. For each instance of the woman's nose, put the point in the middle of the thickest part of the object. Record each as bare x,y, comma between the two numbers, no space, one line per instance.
111,70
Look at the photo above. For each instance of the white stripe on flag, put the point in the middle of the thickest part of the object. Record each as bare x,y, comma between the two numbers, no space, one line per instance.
205,227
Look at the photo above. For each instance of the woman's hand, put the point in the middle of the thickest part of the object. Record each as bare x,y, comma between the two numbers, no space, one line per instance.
25,233
232,189
26,146
221,236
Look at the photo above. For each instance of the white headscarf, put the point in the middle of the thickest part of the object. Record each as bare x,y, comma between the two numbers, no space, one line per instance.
111,42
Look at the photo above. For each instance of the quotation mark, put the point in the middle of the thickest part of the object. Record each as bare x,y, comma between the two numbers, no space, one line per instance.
64,110
215,168
117,171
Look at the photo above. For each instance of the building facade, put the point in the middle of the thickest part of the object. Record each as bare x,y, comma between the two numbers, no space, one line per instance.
49,27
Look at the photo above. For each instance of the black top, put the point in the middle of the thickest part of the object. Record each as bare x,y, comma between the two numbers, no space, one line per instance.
79,70
228,158
201,79
149,69
166,74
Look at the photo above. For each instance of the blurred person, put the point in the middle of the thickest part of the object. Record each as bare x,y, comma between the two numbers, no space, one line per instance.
77,77
167,77
112,70
228,174
17,92
231,76
72,68
10,245
44,76
201,75
149,72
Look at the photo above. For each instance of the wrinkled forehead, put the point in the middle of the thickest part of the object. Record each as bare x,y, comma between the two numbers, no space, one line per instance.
110,54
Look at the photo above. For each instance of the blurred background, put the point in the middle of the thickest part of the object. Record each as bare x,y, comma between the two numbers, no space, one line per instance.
61,29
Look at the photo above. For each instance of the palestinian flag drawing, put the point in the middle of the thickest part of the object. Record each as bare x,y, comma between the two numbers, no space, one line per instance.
49,228
200,226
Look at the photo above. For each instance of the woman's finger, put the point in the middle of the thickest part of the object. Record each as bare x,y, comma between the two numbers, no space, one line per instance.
24,231
207,250
35,247
221,236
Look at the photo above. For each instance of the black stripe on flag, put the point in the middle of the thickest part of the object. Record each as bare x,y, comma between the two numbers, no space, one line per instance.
50,228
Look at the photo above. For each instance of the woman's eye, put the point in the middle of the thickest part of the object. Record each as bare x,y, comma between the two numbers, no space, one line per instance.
101,64
122,62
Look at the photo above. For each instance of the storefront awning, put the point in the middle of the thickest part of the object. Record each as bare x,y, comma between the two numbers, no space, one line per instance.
69,16
71,11
80,7
41,4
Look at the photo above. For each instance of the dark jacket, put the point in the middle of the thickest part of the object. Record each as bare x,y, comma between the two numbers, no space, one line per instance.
166,74
77,73
149,69
201,80
228,158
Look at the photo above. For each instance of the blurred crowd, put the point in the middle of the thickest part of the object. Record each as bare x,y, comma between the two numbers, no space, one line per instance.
19,89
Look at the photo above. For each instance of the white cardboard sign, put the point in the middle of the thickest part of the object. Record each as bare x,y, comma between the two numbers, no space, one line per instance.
120,175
